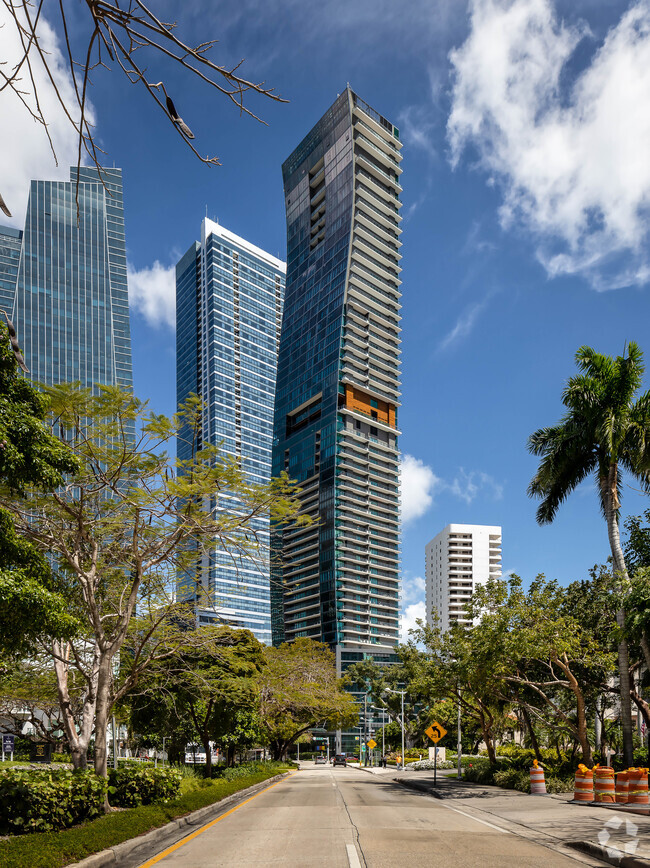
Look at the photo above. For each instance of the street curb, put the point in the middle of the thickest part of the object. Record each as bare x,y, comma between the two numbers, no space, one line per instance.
608,854
158,839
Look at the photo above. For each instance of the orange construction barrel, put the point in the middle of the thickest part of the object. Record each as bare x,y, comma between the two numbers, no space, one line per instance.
622,787
604,787
537,783
583,789
637,782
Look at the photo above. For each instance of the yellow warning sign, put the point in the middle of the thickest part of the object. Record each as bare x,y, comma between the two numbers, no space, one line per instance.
372,744
436,732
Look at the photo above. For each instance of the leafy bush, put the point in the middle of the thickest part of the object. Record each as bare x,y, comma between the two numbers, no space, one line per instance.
246,769
48,799
61,758
429,765
132,784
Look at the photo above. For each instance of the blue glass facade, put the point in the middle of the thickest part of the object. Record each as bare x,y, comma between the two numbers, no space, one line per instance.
229,297
70,305
337,581
10,247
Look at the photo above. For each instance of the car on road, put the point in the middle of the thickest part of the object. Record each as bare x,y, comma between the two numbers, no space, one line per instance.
339,760
320,759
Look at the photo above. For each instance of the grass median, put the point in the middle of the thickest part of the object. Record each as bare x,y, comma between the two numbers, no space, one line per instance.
56,849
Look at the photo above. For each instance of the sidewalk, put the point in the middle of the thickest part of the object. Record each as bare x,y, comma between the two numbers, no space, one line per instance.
613,836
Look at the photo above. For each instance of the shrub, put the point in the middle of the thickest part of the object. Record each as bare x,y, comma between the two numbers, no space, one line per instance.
48,799
246,769
429,765
132,784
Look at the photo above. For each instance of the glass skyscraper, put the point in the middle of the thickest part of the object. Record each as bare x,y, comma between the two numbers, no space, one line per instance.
335,431
63,281
229,297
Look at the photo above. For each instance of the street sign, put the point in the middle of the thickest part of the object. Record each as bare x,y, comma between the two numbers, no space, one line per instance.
436,732
372,744
8,743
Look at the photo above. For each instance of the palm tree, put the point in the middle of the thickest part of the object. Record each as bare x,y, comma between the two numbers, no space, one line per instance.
604,432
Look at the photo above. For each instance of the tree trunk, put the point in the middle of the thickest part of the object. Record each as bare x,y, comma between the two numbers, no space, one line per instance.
104,685
78,737
610,499
531,731
205,741
581,714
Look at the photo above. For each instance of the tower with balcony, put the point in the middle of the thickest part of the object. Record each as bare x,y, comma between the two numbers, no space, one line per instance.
458,559
335,425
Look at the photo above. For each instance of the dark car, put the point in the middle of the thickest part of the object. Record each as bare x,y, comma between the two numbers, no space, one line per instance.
339,760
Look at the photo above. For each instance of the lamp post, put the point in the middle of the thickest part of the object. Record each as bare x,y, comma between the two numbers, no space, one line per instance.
390,690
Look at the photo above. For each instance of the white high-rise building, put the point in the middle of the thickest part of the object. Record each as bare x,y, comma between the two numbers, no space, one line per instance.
458,559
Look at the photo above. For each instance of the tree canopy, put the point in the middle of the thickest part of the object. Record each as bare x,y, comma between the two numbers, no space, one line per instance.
299,690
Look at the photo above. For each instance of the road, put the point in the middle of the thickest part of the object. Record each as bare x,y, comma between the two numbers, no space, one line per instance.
323,817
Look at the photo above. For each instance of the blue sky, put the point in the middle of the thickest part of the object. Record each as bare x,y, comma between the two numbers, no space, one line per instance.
526,214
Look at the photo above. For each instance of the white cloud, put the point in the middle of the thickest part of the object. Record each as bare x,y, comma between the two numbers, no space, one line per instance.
466,486
418,483
413,588
412,613
464,325
152,292
26,153
569,151
416,128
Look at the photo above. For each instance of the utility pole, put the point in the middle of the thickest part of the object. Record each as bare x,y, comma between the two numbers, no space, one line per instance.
365,729
459,745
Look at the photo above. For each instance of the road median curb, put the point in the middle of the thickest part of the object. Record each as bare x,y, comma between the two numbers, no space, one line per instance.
609,854
138,849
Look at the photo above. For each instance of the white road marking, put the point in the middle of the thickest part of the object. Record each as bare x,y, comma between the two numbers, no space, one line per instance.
353,857
476,819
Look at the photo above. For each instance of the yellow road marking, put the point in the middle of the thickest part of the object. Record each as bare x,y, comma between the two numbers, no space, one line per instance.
209,825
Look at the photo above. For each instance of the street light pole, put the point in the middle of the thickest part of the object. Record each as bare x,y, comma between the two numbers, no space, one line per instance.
459,744
402,692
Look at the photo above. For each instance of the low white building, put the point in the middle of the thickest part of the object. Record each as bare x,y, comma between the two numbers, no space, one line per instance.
458,559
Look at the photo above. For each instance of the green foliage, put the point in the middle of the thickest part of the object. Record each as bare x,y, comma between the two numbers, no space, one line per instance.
298,689
30,457
132,784
41,800
55,850
244,770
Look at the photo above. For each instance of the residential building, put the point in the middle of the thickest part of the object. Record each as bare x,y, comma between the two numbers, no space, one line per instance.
69,301
229,297
335,429
458,559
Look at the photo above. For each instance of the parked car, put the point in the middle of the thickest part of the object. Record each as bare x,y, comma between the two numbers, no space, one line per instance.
339,760
321,759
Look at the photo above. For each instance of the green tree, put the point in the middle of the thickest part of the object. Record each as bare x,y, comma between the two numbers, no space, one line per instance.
30,457
605,431
210,680
298,690
544,650
122,529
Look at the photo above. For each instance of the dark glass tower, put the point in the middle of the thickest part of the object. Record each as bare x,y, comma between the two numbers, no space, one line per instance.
337,392
70,299
229,297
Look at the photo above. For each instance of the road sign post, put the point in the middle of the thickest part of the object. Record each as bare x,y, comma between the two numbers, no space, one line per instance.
435,732
8,746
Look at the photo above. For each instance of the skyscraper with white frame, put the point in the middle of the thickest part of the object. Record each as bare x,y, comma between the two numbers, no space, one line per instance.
458,559
229,297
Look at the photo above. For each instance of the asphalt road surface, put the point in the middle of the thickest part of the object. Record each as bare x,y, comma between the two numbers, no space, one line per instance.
324,817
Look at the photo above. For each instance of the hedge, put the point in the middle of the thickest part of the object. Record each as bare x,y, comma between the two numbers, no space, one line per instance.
57,849
43,800
132,784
